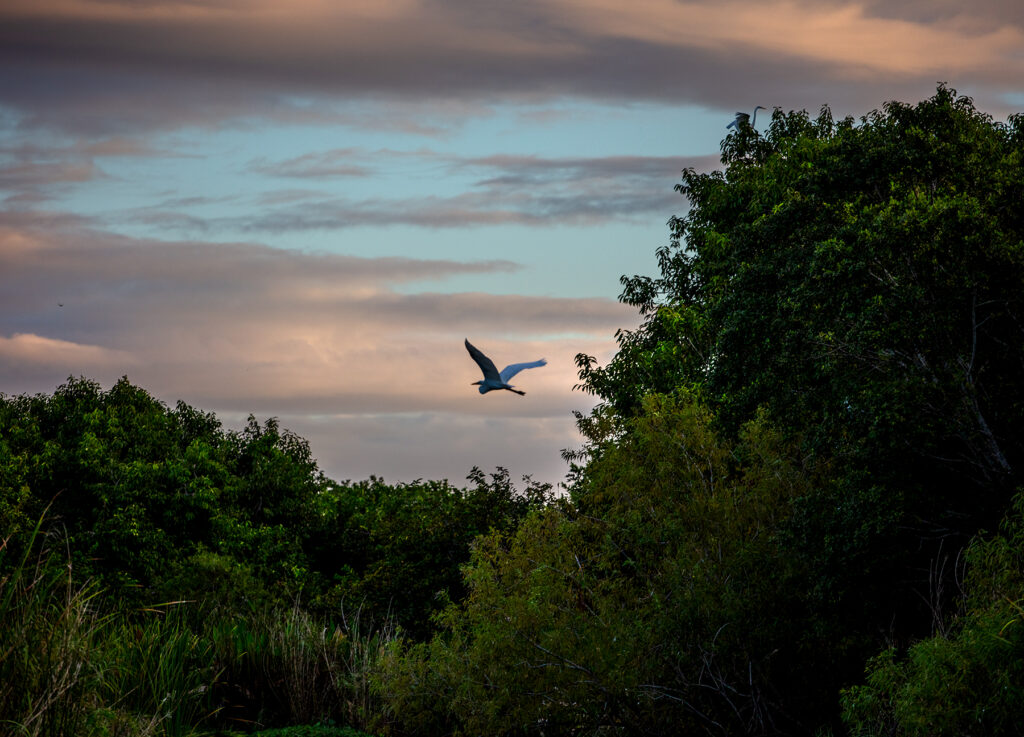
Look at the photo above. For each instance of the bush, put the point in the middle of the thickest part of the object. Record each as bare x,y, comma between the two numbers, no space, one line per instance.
968,680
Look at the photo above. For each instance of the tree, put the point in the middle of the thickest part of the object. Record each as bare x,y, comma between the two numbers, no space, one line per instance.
114,470
150,497
968,678
396,551
659,601
863,284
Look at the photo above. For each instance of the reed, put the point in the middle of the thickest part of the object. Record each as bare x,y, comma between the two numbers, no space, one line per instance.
158,670
49,628
289,667
69,667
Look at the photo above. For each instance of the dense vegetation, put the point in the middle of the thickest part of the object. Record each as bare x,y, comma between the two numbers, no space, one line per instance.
798,508
222,563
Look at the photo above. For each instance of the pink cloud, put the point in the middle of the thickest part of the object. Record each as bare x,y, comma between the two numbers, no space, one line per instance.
839,34
40,351
243,323
325,342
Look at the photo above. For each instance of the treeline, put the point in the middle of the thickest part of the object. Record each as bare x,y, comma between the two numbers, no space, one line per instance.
797,509
138,523
158,504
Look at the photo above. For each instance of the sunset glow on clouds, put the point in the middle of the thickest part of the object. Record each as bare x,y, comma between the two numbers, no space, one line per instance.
300,210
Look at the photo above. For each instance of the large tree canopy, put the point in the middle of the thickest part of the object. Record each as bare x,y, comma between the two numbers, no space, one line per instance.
862,282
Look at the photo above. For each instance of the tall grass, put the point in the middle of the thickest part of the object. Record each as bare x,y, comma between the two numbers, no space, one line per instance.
287,667
67,668
49,629
159,671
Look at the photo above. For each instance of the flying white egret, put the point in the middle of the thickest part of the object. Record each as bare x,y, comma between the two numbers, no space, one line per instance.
744,118
492,379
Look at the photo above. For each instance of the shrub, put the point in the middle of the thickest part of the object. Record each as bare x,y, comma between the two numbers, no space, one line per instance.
967,680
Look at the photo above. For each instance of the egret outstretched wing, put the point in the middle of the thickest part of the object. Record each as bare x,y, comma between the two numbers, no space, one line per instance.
743,119
486,365
739,120
514,368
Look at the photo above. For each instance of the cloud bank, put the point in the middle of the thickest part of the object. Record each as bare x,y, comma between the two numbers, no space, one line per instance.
321,340
87,65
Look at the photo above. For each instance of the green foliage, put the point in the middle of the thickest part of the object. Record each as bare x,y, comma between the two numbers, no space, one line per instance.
163,504
968,680
71,665
68,667
257,552
48,630
659,602
286,667
156,666
861,283
402,546
312,731
140,488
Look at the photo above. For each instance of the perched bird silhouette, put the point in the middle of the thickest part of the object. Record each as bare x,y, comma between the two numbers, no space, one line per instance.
744,118
494,380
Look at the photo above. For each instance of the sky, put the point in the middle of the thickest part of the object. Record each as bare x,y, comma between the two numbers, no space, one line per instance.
300,210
